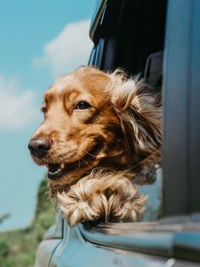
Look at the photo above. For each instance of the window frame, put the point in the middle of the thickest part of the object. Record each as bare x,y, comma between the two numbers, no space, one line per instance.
181,124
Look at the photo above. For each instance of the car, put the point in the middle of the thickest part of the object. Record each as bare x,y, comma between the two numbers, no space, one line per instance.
160,40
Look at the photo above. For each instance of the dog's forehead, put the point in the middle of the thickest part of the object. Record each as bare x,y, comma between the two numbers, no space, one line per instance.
63,83
82,81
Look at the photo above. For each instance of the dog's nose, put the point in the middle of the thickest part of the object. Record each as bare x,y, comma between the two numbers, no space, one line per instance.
39,147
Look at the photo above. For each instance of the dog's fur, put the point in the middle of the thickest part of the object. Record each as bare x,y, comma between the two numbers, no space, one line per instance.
102,147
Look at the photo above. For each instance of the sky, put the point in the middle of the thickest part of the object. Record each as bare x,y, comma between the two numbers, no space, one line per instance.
39,40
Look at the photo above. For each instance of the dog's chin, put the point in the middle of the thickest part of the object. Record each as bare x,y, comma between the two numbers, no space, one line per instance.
57,171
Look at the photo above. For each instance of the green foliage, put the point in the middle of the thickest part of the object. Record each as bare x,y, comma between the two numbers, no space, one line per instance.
4,248
18,247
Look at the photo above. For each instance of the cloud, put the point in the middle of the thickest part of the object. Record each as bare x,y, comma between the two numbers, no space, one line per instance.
17,108
69,49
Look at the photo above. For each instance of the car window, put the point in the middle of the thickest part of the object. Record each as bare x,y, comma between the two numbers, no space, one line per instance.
130,35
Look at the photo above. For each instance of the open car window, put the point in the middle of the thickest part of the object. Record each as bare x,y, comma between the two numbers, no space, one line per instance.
130,35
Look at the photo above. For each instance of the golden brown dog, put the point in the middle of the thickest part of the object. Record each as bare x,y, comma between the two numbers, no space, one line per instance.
99,130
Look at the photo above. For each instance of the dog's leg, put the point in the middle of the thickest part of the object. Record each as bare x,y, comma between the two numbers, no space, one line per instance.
110,197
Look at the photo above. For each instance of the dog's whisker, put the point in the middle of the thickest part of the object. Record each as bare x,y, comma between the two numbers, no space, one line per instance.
79,163
88,153
85,162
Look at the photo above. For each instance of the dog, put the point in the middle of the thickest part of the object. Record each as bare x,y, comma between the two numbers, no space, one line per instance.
99,131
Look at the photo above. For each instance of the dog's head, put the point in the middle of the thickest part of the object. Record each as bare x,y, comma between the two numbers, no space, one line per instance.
95,119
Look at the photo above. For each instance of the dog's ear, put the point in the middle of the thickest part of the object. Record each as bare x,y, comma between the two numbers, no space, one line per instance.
139,112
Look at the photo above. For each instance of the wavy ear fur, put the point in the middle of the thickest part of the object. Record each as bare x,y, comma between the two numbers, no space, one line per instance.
140,113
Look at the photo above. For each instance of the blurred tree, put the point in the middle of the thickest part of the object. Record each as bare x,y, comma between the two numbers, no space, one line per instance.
4,217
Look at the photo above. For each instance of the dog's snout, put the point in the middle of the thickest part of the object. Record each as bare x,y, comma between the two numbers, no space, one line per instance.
39,147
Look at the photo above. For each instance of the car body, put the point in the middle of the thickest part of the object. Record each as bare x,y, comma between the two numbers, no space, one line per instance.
160,40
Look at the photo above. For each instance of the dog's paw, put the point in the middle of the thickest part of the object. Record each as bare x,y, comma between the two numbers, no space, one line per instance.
125,202
82,203
111,198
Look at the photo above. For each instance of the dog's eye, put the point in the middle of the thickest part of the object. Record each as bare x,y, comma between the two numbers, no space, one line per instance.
82,105
44,110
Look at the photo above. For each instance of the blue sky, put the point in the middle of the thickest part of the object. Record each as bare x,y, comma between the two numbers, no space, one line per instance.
39,40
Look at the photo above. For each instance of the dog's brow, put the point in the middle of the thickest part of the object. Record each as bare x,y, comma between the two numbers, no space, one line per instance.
71,95
48,97
44,103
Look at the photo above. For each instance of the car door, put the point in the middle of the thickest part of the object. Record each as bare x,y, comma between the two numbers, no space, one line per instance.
161,41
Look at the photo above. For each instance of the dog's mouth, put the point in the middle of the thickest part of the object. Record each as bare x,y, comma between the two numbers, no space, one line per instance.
57,170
